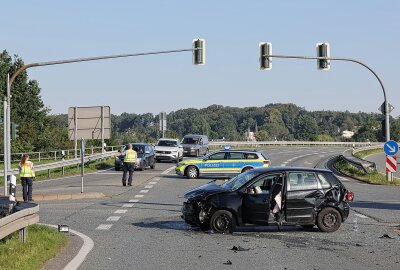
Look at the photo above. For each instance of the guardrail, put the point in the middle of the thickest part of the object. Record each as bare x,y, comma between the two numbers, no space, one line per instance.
65,163
289,143
360,163
19,221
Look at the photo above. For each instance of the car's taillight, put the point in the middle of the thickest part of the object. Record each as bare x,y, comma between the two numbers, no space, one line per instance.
349,196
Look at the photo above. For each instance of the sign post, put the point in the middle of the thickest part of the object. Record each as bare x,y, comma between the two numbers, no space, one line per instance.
391,148
82,162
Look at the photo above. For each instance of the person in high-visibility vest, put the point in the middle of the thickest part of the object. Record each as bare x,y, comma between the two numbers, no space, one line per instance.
129,165
27,173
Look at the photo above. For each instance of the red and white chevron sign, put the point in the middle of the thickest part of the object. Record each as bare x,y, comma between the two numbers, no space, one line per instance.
391,163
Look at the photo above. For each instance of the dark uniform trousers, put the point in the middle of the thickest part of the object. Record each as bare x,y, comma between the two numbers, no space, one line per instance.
26,188
128,167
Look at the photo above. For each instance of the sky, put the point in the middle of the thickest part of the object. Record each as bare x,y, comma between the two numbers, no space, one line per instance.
368,31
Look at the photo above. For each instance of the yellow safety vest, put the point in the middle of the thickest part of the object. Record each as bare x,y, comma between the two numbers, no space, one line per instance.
26,169
130,156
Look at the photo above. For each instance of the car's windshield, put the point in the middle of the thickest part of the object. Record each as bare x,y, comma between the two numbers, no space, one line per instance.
190,140
167,143
139,149
236,182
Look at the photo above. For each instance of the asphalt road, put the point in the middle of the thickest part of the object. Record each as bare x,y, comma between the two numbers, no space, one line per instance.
140,227
380,161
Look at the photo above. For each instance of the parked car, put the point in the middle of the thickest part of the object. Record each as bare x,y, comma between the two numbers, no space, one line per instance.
145,156
195,145
169,149
265,196
223,163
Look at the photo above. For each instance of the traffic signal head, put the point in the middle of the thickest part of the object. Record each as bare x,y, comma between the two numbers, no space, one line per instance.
199,51
323,50
14,131
265,51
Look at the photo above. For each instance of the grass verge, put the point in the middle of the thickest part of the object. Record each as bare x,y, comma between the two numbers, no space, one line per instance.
42,244
71,170
365,153
372,177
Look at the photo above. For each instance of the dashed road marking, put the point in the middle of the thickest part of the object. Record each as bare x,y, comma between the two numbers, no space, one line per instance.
139,196
133,200
168,170
148,186
128,205
104,227
361,216
120,211
113,218
144,191
152,183
156,179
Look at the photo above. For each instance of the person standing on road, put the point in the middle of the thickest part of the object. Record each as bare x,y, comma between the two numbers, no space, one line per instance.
27,173
129,165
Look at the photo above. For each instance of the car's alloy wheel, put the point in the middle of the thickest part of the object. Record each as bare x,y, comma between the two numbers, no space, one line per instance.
329,219
222,221
192,172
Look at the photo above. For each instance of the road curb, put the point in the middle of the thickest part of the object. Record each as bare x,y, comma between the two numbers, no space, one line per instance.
68,196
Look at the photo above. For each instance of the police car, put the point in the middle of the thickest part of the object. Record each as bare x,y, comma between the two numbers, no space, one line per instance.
226,162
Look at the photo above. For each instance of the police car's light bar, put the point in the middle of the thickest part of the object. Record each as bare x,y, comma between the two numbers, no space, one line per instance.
227,147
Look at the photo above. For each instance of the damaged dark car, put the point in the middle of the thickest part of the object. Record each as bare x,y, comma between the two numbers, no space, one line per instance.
270,196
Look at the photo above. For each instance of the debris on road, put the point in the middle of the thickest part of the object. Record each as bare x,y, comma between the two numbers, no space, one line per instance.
228,262
386,236
239,248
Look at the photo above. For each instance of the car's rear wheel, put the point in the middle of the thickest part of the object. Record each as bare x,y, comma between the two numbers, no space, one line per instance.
222,221
246,169
192,172
329,219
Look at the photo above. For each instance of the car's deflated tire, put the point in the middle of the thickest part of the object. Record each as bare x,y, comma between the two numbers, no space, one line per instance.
192,172
222,221
329,219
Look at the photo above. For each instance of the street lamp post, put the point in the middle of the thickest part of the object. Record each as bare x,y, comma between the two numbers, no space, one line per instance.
7,141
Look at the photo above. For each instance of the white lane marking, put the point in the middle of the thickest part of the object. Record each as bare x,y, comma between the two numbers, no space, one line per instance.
127,205
113,218
155,179
104,227
139,196
148,186
121,211
283,164
134,200
168,170
361,216
144,191
152,183
87,246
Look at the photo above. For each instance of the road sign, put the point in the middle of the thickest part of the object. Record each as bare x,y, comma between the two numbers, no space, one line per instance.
382,108
391,163
391,148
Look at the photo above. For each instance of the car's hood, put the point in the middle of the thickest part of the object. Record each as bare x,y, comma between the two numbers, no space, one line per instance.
166,148
204,191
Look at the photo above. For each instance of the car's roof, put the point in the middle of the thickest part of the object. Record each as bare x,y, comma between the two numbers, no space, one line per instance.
167,139
138,144
290,169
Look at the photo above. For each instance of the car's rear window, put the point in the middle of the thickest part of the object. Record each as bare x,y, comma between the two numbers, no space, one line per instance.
302,181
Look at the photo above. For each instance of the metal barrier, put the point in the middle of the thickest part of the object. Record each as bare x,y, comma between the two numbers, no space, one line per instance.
19,221
288,143
65,163
360,163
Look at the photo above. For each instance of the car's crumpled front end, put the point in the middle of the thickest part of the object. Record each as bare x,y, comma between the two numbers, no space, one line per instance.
197,209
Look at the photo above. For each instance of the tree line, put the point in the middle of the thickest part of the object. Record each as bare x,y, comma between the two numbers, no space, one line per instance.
39,130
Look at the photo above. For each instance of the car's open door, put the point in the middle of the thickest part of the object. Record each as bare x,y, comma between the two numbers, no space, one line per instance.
257,199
